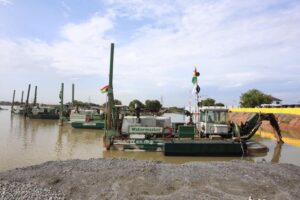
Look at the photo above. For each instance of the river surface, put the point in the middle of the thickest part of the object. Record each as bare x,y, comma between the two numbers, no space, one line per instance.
25,142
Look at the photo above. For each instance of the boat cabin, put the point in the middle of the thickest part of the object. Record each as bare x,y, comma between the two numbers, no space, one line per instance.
213,121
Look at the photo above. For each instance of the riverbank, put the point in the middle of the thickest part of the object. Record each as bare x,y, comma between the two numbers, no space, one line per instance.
134,179
288,123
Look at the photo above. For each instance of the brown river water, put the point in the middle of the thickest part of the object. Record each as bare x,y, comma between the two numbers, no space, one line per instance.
25,142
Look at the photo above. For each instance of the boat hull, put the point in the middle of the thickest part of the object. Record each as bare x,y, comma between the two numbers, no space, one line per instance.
43,116
89,125
203,148
141,145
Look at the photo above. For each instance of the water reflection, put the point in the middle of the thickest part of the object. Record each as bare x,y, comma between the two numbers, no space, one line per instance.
72,143
159,156
277,153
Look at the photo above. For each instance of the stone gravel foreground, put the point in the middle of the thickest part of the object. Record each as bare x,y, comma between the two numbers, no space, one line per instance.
135,179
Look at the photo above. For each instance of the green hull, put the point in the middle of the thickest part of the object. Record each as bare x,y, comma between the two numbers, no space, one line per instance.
43,116
89,125
144,145
204,148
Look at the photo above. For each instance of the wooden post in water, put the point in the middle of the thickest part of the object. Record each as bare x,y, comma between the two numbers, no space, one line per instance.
35,95
22,97
73,91
27,100
61,96
13,101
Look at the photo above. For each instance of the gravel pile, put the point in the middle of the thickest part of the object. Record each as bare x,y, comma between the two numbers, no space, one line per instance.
17,190
135,179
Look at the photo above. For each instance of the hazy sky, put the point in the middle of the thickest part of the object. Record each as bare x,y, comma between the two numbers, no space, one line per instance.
236,46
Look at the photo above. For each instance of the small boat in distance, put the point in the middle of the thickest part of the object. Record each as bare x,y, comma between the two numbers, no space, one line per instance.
43,112
3,108
88,119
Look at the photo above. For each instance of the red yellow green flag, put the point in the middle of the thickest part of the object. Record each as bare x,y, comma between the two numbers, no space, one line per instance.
104,89
195,75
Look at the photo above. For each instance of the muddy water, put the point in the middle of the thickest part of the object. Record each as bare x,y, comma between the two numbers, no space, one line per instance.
25,142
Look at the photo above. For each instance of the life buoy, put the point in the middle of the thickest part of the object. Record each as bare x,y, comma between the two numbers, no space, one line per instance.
168,132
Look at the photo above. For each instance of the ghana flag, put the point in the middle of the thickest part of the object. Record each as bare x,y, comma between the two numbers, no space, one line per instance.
195,75
104,89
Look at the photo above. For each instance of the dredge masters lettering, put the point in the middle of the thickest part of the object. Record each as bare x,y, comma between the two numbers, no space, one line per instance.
141,129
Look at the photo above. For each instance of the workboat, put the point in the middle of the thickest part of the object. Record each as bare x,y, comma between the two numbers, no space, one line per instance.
19,110
143,133
2,108
207,132
212,135
43,112
88,119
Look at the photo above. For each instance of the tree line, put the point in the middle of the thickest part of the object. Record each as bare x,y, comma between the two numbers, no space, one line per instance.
250,99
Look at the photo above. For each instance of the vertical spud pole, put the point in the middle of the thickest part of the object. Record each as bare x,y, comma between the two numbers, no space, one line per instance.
13,102
61,96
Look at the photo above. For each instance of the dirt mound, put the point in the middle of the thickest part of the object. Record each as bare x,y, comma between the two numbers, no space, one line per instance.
133,179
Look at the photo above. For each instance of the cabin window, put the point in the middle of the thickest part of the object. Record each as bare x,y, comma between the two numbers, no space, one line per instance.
210,117
202,116
220,117
217,117
223,117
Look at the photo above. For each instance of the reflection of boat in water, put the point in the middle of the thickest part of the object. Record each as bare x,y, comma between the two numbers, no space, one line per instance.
276,153
287,140
87,119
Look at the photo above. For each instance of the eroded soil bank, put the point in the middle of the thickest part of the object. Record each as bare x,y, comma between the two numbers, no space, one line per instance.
134,179
288,123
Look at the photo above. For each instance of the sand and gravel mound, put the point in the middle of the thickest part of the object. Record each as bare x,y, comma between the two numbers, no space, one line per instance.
135,179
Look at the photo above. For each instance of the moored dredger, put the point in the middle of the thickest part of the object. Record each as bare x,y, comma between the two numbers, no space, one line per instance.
208,132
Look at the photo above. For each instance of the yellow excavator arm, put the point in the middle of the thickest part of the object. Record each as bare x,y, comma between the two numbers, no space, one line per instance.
248,129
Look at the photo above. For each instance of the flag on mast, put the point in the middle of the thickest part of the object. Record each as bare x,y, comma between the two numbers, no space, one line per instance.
195,75
196,89
104,89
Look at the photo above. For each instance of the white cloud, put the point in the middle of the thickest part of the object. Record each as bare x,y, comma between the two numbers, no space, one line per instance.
233,44
5,2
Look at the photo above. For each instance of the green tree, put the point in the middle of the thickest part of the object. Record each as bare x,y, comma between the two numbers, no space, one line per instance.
175,109
253,98
208,102
219,104
153,105
135,101
116,102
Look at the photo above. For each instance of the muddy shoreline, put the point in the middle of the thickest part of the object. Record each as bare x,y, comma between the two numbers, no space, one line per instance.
135,179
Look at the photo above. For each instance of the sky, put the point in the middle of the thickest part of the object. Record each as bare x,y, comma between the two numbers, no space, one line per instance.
235,45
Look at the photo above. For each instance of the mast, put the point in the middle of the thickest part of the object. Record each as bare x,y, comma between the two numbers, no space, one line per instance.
61,96
35,95
13,101
26,104
22,97
73,92
110,94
